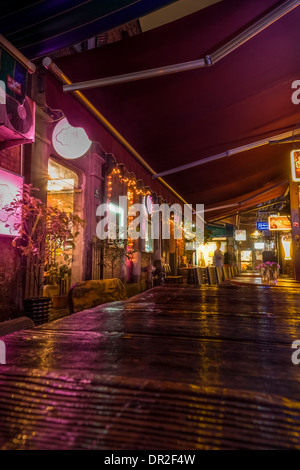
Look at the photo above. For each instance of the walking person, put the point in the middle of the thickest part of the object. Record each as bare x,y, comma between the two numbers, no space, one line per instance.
218,256
229,257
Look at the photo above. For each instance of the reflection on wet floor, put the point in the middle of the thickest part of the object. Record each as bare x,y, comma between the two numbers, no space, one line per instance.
172,368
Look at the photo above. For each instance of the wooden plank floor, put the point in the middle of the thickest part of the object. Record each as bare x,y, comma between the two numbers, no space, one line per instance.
175,368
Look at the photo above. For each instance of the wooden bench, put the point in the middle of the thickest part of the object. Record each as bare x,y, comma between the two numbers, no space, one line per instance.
88,294
10,326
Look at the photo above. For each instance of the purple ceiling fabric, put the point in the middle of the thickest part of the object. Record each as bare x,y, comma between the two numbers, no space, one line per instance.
181,118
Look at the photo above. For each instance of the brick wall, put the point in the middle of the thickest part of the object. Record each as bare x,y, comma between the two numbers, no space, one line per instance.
10,280
10,270
10,159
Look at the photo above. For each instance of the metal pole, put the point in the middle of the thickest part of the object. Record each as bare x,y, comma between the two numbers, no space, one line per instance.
209,60
254,29
228,153
142,75
12,50
50,65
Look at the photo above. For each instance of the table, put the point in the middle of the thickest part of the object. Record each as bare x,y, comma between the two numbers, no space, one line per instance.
176,367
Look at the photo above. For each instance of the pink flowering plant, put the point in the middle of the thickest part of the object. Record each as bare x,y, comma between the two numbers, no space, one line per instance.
268,265
273,266
269,270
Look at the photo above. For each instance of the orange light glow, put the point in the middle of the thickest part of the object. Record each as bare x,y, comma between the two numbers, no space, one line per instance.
295,163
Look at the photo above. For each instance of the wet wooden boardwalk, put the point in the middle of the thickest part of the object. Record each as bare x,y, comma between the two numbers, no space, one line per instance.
175,368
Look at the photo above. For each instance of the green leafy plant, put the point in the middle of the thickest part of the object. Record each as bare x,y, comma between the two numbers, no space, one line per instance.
114,255
59,273
42,232
115,252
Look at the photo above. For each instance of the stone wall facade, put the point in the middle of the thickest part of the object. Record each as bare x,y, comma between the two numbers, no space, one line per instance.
10,159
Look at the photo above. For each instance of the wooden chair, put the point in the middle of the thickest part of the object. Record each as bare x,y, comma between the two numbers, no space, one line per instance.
212,276
198,275
169,278
219,274
226,273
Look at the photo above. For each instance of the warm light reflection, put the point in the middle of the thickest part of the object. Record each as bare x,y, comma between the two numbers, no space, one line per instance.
205,253
295,164
256,234
66,184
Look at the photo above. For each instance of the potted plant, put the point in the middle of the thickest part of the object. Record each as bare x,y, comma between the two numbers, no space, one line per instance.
60,274
274,271
42,230
268,272
264,273
115,253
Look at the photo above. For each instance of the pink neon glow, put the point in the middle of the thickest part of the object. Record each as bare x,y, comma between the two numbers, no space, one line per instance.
10,185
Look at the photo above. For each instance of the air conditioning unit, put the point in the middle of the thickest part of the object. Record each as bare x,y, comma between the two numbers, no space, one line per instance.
17,119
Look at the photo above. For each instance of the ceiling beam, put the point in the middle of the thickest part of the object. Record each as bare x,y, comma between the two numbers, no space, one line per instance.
227,153
17,55
55,70
239,204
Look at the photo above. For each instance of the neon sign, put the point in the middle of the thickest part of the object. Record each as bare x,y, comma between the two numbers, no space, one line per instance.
280,222
295,162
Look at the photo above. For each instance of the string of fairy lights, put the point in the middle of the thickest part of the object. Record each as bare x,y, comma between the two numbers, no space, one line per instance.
131,184
132,191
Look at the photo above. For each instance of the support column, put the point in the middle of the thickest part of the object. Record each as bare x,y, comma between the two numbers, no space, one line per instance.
294,202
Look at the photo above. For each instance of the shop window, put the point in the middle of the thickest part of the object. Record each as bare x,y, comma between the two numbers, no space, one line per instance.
61,186
62,183
149,240
117,223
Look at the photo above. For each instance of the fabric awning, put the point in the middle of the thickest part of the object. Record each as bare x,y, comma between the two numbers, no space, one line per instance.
176,119
79,116
37,28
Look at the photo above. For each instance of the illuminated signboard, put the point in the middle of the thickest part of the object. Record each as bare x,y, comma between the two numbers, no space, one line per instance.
295,162
262,226
279,222
10,185
240,235
259,246
68,141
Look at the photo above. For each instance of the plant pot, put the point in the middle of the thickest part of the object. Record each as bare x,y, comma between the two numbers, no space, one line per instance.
50,290
265,276
37,309
273,278
60,302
